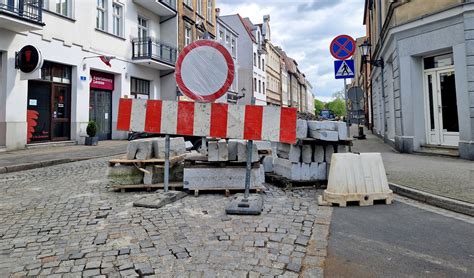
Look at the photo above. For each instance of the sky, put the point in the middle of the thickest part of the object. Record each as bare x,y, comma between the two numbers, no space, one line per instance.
304,29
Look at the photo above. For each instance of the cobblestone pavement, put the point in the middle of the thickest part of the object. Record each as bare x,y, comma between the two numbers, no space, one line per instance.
62,221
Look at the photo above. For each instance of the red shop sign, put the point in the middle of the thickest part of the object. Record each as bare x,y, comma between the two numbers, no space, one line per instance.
101,80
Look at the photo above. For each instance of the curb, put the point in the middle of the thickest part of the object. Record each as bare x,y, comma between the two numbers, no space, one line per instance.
432,199
46,163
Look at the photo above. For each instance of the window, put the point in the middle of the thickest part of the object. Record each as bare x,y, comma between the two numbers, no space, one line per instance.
117,19
188,3
263,83
259,63
232,46
139,88
263,64
101,15
62,7
227,39
255,84
209,10
187,35
142,28
199,7
254,59
259,86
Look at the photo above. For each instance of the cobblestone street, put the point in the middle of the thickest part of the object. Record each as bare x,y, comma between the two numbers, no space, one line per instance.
63,221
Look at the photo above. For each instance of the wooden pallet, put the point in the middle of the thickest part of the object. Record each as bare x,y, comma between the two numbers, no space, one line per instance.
360,199
204,163
288,184
147,187
173,160
227,191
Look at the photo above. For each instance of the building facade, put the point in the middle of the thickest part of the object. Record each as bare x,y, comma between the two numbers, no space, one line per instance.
423,94
251,58
273,70
195,17
229,38
75,85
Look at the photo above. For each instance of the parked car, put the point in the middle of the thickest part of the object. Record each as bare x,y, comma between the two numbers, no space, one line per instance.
327,114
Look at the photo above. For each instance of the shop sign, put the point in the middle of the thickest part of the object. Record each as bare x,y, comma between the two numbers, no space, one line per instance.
29,59
102,81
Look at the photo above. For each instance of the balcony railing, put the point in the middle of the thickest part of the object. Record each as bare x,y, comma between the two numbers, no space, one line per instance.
31,10
147,48
170,3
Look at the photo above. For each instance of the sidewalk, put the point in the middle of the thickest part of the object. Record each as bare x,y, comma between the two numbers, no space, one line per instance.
443,176
41,157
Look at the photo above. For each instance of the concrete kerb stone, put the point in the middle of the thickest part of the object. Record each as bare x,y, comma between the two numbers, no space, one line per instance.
432,199
46,163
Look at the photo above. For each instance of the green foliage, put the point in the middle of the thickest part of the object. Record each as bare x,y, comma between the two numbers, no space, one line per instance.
91,129
318,106
338,105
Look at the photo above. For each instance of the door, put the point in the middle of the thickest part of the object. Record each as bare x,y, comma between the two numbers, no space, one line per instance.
442,111
142,37
101,112
39,111
60,112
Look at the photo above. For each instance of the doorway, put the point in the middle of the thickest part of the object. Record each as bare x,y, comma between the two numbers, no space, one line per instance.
101,112
441,107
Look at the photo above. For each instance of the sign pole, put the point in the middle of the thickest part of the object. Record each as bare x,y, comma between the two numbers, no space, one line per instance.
248,169
347,111
167,162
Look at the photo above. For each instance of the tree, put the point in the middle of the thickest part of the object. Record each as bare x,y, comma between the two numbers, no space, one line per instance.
318,106
338,105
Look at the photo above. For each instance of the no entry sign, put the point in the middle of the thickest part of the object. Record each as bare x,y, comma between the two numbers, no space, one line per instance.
204,70
342,47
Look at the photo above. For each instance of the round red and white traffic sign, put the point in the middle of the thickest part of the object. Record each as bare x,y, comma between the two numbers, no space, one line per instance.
204,70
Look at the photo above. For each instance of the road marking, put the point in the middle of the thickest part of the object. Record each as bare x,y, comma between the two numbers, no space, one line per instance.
407,252
440,211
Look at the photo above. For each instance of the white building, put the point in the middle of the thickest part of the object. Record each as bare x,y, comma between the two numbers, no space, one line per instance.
229,38
251,58
74,85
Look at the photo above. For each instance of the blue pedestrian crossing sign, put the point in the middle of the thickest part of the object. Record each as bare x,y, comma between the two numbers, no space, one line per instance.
344,69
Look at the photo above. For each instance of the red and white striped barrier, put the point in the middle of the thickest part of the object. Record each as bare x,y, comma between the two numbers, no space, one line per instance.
249,122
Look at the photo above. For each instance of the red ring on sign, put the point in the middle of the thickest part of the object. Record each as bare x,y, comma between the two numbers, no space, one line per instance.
335,55
230,71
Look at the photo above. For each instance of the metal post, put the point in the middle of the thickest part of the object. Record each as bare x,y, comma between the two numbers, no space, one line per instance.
248,169
347,112
167,161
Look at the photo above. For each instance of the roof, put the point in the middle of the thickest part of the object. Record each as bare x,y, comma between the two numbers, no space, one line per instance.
248,27
220,21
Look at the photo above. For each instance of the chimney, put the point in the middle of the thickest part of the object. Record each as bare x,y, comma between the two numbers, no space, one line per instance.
218,11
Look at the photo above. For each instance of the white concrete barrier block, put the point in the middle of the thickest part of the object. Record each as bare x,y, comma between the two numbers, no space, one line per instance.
268,164
342,130
318,155
242,152
177,147
263,145
287,169
322,125
212,151
221,178
232,149
328,153
305,172
325,135
223,150
306,153
301,129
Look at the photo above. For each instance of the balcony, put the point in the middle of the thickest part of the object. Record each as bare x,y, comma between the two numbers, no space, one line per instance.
154,54
21,15
164,8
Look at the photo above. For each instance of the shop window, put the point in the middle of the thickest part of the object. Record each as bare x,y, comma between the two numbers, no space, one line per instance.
56,73
140,88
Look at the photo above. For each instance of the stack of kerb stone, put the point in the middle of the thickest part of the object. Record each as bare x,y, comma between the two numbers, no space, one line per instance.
144,162
309,158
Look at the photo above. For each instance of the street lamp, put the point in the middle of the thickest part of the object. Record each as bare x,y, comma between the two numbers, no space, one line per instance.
365,50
